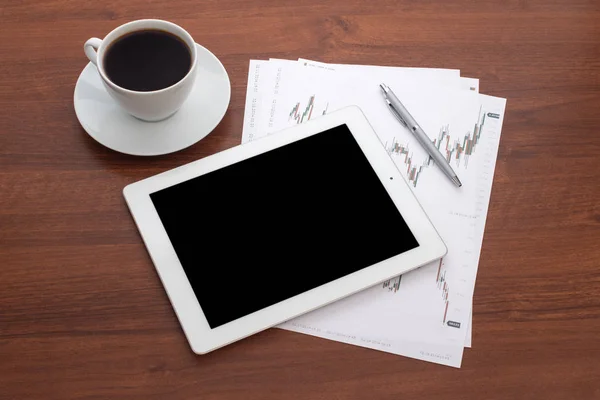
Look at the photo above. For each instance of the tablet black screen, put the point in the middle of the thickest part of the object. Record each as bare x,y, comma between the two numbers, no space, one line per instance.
273,226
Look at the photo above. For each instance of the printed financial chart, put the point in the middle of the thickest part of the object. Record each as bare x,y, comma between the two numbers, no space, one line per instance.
299,116
469,154
455,150
458,146
459,142
436,297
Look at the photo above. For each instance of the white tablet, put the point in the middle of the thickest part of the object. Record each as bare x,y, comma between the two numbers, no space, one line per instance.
263,232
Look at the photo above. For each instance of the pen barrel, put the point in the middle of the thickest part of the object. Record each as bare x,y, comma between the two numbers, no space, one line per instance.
435,154
402,111
421,136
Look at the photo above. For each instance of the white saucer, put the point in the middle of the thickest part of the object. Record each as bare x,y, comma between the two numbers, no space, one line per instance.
112,127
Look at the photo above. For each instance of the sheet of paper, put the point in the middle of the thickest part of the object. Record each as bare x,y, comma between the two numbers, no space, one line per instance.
334,325
284,70
410,315
471,84
272,119
443,79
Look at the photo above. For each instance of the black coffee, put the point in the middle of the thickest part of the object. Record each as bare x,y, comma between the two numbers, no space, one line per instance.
147,60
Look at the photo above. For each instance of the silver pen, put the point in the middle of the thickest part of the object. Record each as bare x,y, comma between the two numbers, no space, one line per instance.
402,114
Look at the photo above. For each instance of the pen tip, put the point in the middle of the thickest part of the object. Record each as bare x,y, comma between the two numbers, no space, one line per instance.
456,181
384,87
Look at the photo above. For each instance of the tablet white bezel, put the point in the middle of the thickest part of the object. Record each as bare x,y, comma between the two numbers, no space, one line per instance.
200,336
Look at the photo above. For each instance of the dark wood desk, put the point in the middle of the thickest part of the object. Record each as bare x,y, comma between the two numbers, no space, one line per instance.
82,311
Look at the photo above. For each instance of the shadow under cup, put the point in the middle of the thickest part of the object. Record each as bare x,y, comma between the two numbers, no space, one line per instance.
147,66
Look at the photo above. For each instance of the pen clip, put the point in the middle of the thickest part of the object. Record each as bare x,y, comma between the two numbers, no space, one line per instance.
396,113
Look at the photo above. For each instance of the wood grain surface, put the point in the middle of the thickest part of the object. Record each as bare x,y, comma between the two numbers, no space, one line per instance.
83,314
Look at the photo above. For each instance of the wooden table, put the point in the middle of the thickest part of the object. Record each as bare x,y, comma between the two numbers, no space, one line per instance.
82,311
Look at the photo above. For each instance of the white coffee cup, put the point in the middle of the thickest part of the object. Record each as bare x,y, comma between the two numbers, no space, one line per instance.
148,106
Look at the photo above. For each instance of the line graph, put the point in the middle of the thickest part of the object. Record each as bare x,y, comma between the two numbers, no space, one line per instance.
453,150
300,117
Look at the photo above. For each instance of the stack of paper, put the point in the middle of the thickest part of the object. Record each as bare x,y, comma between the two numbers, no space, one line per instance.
424,314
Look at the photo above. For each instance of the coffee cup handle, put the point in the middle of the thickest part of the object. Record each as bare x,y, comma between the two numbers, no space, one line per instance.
91,49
